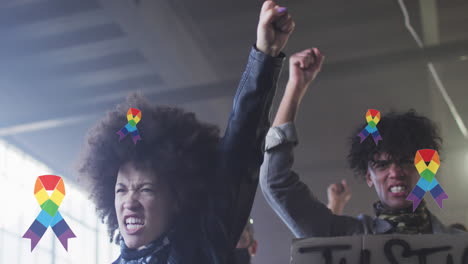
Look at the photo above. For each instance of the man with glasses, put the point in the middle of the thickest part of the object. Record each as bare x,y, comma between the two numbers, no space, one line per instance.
387,166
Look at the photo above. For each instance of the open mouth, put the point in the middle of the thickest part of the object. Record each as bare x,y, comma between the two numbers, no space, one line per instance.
398,190
133,224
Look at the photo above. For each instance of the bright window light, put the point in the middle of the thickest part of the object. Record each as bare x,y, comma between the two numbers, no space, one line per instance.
18,173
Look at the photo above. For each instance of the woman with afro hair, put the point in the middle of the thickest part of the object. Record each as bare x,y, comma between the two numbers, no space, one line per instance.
182,194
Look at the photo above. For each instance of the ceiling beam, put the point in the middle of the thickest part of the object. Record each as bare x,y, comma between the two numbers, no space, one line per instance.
429,22
341,67
68,55
164,40
57,25
438,53
190,93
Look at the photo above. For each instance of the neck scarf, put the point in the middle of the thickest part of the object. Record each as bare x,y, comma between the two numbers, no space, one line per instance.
405,221
156,252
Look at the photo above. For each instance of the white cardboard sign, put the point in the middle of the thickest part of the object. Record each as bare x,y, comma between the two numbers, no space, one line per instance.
382,249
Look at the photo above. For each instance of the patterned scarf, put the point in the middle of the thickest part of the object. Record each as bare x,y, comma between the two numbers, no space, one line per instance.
405,221
156,252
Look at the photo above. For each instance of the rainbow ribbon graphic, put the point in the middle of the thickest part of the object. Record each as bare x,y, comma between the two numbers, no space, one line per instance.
373,118
133,117
49,216
427,182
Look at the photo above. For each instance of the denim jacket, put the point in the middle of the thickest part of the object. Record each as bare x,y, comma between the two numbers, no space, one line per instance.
210,237
241,148
292,200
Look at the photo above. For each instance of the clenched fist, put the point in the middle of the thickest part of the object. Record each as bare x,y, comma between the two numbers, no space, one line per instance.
274,28
304,67
339,195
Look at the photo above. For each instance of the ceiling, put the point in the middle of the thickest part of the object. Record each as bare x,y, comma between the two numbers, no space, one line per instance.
65,62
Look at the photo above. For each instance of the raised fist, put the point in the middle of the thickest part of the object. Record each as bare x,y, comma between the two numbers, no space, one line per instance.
304,66
274,28
339,195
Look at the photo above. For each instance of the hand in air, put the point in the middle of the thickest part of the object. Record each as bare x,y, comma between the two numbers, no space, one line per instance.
274,28
304,67
339,195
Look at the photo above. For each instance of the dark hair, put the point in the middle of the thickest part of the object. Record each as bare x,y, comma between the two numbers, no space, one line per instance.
458,226
402,135
175,145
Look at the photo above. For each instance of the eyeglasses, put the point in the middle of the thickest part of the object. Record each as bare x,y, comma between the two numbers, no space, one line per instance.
383,165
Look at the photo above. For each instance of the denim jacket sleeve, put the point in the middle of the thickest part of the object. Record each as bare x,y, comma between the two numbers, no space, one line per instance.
290,198
241,147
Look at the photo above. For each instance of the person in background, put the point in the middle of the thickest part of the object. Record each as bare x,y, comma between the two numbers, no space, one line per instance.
338,195
459,226
247,246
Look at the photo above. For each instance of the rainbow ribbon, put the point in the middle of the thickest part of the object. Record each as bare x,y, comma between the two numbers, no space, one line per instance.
49,215
427,182
373,118
133,117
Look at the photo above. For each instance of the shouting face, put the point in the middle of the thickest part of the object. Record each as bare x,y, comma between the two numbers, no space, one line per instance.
142,204
393,180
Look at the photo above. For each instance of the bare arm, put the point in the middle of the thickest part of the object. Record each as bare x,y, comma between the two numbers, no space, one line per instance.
303,68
